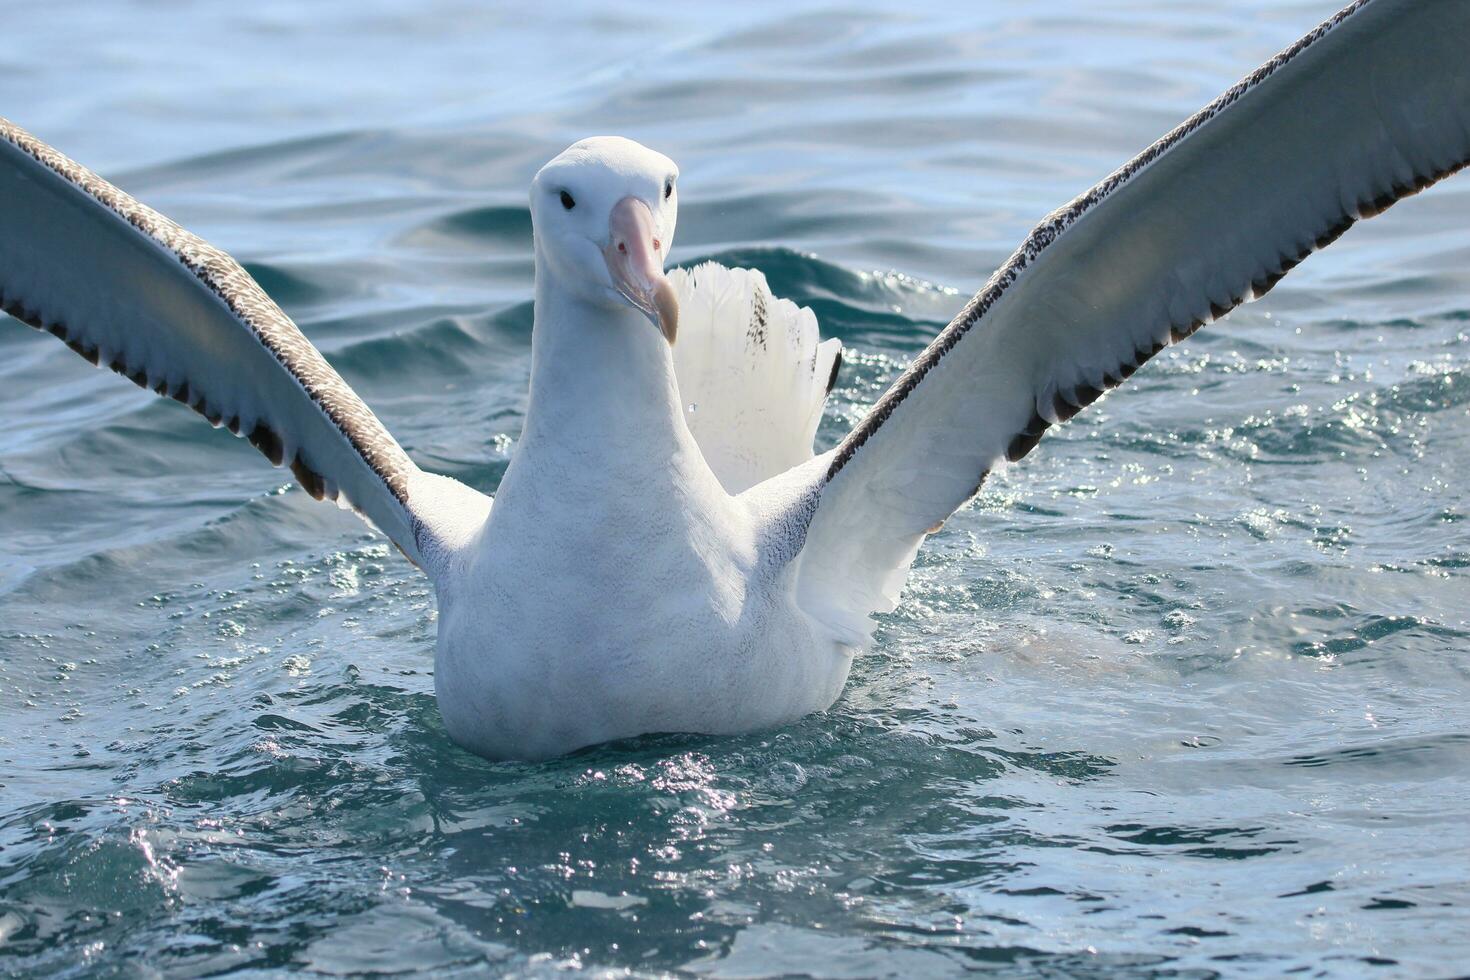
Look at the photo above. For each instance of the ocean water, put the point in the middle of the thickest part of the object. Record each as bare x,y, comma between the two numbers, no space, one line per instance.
1183,694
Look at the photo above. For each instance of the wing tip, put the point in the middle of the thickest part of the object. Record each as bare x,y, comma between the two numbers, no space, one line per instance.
836,367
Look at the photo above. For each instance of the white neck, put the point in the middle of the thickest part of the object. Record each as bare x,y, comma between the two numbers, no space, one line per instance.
603,393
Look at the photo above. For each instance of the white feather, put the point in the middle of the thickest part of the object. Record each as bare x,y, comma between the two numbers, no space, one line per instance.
753,373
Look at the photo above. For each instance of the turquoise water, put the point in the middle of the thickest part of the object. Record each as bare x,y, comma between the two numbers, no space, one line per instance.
1185,693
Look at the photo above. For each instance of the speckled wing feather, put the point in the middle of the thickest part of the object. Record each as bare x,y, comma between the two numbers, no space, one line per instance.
1371,106
128,289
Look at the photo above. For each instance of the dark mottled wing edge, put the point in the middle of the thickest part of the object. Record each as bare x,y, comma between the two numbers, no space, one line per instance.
1382,85
39,281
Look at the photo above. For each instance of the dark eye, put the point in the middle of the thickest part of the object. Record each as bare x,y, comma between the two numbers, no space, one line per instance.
567,201
668,189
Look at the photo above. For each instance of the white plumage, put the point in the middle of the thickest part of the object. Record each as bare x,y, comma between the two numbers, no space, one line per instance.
665,552
753,373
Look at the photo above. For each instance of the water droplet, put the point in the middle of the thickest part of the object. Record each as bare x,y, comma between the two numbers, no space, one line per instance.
693,408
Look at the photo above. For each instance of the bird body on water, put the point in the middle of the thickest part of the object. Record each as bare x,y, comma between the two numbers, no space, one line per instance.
665,553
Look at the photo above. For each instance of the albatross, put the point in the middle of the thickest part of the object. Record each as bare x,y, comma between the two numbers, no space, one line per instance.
644,568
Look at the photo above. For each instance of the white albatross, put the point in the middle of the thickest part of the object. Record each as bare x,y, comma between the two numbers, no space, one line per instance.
644,570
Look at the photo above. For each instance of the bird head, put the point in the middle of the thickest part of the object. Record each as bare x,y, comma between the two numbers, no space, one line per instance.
603,211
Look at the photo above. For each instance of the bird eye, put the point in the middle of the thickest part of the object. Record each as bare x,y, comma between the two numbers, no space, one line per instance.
567,201
668,189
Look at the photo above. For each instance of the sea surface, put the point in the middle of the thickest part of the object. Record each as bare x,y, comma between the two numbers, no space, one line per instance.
1186,693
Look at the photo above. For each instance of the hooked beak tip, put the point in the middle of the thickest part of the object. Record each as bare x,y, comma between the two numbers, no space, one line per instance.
666,307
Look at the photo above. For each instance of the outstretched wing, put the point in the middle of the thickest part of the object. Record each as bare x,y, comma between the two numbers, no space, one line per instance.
128,289
1371,106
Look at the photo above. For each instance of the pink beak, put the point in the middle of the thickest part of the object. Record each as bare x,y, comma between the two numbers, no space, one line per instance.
635,260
